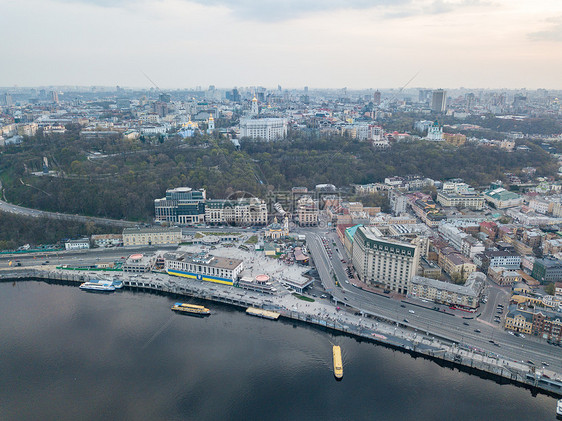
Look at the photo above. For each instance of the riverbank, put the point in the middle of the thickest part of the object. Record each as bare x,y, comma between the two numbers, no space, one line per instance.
439,349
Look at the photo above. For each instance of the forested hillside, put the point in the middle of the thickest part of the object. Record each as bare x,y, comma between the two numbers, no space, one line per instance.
124,177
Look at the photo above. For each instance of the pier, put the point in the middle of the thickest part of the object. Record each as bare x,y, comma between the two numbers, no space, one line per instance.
372,328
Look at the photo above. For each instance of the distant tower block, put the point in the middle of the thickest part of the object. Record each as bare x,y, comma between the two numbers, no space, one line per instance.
439,101
377,98
255,108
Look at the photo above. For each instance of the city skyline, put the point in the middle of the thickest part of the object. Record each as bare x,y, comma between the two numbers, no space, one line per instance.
358,44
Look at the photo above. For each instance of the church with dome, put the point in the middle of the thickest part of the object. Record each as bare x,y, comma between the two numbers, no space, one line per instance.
275,230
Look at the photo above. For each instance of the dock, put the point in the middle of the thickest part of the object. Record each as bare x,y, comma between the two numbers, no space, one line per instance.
266,314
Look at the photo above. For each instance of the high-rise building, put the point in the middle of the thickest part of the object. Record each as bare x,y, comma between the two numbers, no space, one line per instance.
6,99
377,98
439,101
55,96
398,202
382,261
424,95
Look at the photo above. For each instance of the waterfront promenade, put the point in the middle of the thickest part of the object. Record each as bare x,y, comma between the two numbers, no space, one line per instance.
326,315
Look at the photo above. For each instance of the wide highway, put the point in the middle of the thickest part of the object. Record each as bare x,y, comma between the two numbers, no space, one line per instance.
461,327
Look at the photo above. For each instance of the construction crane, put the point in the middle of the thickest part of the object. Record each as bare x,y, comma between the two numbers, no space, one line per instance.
388,101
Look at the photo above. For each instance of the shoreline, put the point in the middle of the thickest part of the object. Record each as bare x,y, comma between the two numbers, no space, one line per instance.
484,364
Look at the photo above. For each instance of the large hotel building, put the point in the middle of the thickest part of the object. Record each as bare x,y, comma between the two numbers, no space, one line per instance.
384,262
263,128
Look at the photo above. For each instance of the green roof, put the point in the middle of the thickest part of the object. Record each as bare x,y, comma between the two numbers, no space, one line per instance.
350,232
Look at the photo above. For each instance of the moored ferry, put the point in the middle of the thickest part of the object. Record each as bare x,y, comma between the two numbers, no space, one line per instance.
191,309
338,365
97,287
115,283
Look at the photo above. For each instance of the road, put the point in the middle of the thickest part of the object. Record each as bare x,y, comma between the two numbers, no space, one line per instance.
419,315
34,213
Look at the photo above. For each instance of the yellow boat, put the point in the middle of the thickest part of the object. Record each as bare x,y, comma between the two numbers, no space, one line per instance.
338,366
191,309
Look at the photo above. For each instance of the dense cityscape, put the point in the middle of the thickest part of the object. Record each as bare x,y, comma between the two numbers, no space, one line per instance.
491,255
276,210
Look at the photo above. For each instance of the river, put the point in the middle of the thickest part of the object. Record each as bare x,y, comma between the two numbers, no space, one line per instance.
66,354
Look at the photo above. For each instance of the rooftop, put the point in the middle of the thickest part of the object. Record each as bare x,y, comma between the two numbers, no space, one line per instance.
206,259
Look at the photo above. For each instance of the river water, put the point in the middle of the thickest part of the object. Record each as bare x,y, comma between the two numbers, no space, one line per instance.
66,354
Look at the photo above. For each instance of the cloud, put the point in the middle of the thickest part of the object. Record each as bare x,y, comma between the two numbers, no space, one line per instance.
283,10
264,10
553,33
435,7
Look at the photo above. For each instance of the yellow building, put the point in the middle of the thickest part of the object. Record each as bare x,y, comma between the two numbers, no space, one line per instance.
151,236
453,263
519,321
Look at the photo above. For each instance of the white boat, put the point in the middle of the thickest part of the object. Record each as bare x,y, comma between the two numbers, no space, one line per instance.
559,409
115,283
97,287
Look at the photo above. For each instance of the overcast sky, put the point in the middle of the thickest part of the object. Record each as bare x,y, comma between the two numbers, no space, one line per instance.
318,43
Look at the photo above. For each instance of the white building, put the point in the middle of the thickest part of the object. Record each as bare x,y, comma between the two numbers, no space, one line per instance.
204,267
539,205
398,202
435,133
82,243
263,128
248,211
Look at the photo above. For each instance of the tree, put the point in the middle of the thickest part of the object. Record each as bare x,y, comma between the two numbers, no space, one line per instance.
549,289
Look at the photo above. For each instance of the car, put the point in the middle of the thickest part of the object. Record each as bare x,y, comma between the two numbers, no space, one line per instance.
521,335
323,296
406,321
345,298
511,333
516,334
411,311
491,341
545,364
402,305
530,362
465,323
497,344
477,330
